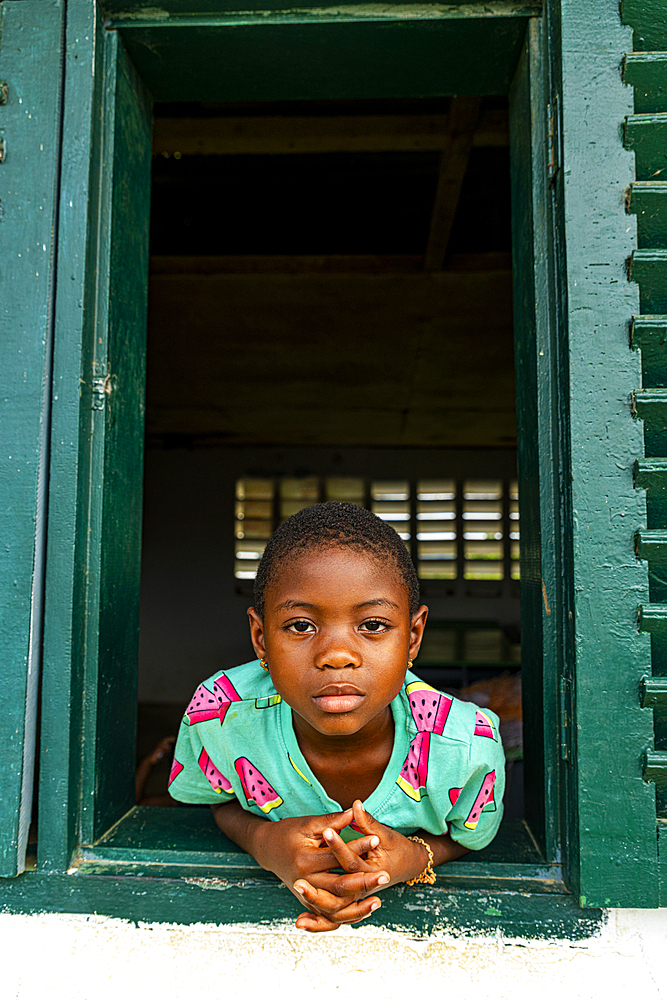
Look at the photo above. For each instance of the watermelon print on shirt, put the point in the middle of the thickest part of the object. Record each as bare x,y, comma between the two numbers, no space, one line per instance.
237,740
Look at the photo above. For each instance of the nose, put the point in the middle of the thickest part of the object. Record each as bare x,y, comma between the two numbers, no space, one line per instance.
337,655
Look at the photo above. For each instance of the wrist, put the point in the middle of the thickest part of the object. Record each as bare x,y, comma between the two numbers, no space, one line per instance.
424,872
258,832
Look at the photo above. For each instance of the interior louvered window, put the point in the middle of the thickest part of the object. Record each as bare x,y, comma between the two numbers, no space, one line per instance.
467,529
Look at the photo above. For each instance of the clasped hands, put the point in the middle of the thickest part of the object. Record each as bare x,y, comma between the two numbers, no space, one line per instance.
303,850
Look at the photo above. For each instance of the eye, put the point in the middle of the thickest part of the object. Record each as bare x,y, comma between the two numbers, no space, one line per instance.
374,625
300,627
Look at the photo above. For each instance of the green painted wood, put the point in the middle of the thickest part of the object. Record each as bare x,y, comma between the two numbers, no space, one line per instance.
647,73
213,11
648,201
537,359
186,842
651,545
302,61
120,370
491,878
653,618
653,690
649,20
651,475
31,36
91,610
649,334
654,765
649,269
71,583
615,819
646,136
420,911
651,406
662,847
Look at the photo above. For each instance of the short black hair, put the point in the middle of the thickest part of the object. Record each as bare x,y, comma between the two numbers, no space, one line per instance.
324,525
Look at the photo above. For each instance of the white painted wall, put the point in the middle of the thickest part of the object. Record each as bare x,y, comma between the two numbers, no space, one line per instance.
64,957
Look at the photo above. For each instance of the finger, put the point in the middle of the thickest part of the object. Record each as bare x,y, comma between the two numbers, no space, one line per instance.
336,821
315,922
347,858
362,845
366,823
320,900
351,914
352,886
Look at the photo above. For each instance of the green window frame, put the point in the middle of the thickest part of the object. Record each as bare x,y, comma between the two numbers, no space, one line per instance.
95,849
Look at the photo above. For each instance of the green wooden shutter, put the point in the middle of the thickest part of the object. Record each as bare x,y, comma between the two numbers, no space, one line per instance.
91,612
30,58
541,379
119,395
614,807
645,68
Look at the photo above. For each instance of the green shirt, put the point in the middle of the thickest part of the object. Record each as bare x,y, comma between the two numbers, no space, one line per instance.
446,772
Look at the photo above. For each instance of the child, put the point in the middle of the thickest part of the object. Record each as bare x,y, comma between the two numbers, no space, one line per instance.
329,717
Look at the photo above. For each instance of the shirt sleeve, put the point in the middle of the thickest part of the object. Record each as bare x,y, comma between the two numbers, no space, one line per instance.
477,807
195,776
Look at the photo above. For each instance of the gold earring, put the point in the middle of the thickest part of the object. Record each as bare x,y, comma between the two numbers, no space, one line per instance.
409,664
263,664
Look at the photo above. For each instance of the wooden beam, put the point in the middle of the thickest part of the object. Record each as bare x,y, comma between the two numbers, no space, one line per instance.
300,134
332,264
461,126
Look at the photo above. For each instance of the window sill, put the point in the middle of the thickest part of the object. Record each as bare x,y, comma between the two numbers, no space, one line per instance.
174,866
187,843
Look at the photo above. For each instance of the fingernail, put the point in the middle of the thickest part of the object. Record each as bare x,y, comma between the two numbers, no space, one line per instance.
299,889
383,879
160,755
328,834
376,905
375,841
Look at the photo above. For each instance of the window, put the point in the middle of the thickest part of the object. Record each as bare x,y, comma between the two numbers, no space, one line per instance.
441,534
568,562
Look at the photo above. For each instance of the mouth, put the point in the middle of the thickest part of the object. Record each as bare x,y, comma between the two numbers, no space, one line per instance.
339,698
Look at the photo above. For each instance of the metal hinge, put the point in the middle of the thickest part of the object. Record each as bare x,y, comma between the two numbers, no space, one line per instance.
102,388
565,718
553,137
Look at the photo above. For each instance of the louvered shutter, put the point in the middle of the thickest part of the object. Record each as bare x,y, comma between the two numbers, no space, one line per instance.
30,58
645,69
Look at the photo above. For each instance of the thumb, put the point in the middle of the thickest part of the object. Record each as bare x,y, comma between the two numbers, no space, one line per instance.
363,820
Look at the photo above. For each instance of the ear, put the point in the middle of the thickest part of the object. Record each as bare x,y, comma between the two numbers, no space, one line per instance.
417,627
257,633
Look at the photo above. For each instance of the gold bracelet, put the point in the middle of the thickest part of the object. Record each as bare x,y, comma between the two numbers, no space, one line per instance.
428,875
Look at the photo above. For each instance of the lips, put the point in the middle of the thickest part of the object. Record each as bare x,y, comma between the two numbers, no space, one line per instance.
339,698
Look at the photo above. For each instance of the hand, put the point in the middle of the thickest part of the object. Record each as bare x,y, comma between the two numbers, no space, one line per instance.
391,856
164,747
297,850
144,769
401,857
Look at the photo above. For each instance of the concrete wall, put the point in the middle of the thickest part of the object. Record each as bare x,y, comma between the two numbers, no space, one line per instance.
62,957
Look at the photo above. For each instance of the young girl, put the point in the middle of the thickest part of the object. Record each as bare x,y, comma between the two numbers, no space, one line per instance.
326,752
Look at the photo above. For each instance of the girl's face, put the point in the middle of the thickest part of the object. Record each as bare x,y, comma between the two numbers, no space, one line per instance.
337,634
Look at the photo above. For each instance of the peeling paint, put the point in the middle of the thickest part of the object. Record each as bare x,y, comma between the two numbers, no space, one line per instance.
394,12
